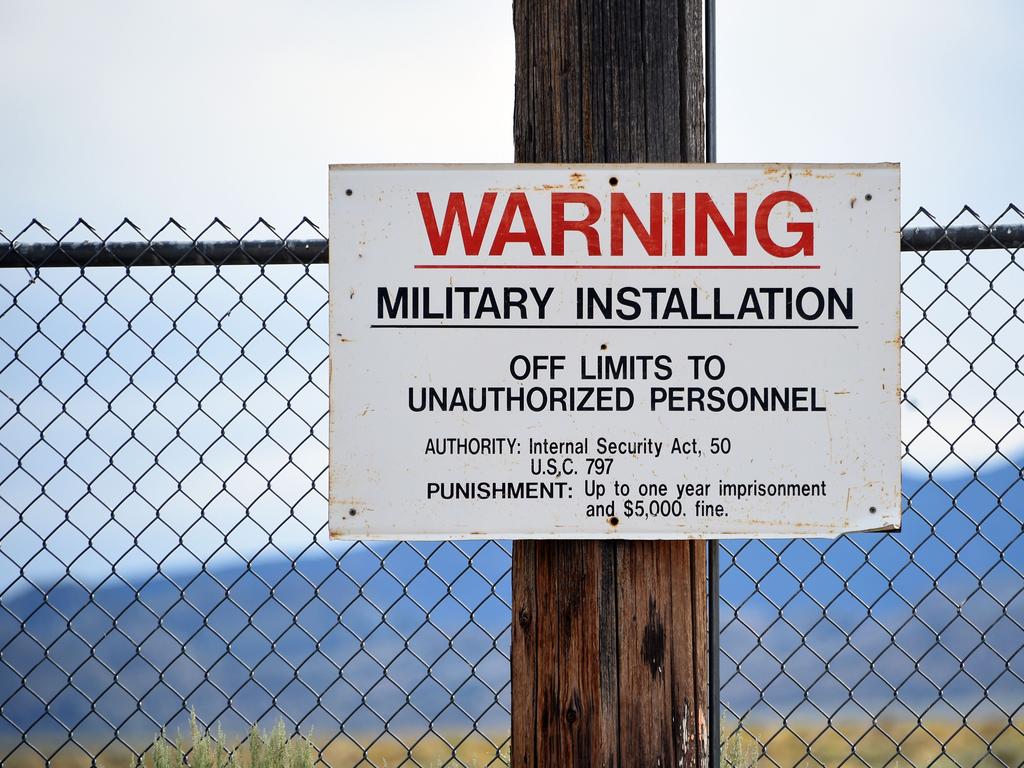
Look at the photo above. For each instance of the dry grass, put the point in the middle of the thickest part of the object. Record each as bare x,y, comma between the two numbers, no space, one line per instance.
275,750
936,743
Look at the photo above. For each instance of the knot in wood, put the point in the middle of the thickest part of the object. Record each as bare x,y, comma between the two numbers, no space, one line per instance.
524,617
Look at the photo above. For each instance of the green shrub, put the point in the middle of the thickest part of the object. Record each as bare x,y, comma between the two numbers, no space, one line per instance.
739,751
210,750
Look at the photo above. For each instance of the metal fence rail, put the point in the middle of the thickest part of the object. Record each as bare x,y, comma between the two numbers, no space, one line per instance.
296,247
163,546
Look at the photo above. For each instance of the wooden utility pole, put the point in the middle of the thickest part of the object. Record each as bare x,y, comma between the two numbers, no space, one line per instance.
609,638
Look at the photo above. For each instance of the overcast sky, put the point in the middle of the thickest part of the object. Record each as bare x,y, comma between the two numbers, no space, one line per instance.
235,109
194,109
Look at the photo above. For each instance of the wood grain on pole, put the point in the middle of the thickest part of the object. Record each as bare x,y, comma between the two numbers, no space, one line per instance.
609,638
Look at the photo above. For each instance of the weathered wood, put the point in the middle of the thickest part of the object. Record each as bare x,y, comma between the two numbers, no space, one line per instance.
524,653
609,640
609,654
612,81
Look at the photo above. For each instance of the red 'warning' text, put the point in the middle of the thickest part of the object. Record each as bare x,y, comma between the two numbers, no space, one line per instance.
583,215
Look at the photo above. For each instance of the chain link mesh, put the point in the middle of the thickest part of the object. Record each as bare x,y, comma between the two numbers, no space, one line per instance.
163,547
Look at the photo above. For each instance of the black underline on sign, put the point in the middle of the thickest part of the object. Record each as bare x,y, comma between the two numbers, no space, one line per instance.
617,266
529,326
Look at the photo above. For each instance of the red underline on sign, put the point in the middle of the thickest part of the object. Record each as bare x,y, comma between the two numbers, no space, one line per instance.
618,266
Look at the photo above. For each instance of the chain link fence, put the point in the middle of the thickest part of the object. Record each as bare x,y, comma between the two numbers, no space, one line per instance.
163,547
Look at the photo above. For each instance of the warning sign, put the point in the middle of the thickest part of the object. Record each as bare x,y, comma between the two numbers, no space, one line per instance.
623,351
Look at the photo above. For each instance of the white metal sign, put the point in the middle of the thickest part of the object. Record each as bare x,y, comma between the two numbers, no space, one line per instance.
621,351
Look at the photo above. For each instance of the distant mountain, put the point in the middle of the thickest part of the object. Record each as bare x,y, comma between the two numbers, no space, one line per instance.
271,639
268,638
933,612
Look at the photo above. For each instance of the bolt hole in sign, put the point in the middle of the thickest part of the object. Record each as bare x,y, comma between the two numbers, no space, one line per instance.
627,351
